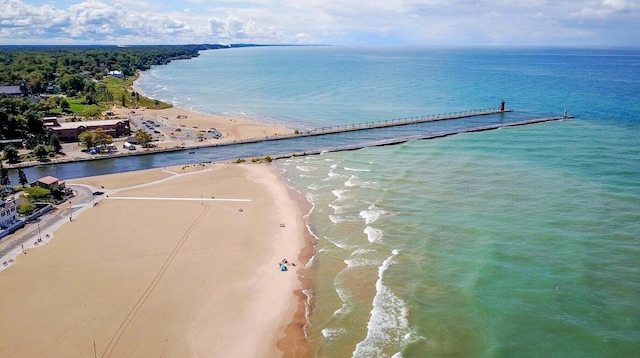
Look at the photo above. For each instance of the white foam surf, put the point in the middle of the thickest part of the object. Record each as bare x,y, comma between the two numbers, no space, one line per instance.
347,306
340,194
306,168
337,243
357,169
388,326
336,219
333,333
333,176
337,209
352,181
357,259
373,235
372,214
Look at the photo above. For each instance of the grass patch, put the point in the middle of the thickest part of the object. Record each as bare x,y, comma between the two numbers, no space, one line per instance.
121,87
78,106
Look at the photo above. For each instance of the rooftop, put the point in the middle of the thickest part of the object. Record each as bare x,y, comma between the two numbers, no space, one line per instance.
76,125
10,90
48,180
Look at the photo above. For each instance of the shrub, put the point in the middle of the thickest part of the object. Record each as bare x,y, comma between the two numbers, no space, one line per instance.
26,208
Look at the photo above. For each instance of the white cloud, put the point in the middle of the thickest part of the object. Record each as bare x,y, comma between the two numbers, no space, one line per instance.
605,9
233,29
419,22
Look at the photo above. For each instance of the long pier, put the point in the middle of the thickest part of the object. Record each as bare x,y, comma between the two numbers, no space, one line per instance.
402,121
334,130
433,135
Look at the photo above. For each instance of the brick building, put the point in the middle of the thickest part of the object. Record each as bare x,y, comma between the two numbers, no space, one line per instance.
69,131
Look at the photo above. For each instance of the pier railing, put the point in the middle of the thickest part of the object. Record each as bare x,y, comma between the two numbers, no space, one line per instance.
405,121
423,136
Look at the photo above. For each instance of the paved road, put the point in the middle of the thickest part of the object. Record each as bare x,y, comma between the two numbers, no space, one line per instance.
44,226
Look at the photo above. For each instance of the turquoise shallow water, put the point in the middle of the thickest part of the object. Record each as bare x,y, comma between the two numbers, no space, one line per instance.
516,242
486,247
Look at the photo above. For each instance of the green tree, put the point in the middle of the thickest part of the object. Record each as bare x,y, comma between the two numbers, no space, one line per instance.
41,151
11,154
91,98
34,122
143,137
101,138
64,105
49,103
26,208
54,142
36,193
95,138
73,82
22,177
86,138
4,176
36,81
57,193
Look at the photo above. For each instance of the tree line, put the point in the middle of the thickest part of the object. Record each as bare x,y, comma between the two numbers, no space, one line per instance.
69,71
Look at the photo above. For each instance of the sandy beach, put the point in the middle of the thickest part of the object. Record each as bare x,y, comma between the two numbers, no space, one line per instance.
175,262
232,128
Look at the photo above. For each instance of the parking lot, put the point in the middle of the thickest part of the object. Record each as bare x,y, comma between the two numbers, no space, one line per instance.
161,131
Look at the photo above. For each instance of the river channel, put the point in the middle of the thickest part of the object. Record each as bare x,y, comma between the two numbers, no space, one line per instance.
296,145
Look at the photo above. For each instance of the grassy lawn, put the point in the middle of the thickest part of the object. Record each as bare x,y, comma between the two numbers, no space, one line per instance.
91,110
119,87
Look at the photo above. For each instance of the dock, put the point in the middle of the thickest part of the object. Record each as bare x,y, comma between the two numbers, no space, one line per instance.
403,121
433,135
322,131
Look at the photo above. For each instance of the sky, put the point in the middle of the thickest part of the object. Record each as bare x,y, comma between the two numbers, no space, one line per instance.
590,23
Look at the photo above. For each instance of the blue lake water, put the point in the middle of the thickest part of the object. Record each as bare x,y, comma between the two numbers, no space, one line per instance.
517,242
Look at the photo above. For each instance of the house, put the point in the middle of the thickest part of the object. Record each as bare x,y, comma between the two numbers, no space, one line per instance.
116,74
69,131
14,91
50,183
7,142
53,89
8,213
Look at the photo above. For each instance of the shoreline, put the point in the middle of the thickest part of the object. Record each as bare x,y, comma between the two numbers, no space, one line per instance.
296,343
236,130
288,339
245,131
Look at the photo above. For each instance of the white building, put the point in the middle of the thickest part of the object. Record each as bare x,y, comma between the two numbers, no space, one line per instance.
116,74
8,213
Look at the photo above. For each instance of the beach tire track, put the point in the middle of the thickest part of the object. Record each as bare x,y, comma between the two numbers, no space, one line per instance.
132,313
